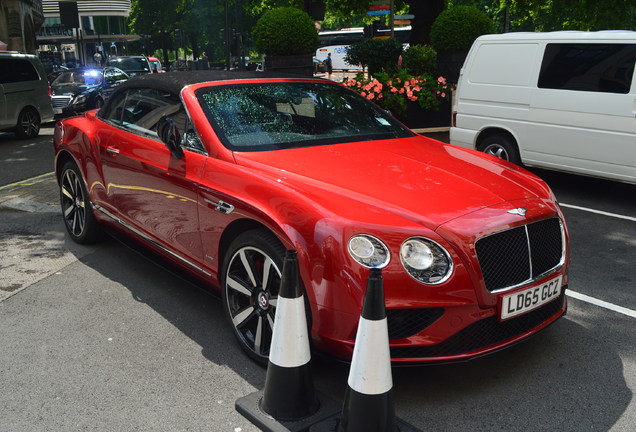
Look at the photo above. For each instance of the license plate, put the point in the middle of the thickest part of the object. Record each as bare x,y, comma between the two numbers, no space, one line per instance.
529,299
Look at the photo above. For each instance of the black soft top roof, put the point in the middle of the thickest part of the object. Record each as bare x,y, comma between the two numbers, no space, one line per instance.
173,82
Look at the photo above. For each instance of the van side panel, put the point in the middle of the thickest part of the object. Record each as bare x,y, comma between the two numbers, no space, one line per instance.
588,131
496,86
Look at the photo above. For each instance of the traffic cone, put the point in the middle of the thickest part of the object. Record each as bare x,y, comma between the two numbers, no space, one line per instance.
368,404
289,401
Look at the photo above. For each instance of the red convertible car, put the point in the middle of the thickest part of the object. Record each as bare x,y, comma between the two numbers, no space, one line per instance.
221,172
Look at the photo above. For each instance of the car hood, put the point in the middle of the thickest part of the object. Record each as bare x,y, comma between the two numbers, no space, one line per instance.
418,178
70,89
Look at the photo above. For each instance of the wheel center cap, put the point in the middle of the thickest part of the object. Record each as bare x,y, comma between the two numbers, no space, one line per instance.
263,300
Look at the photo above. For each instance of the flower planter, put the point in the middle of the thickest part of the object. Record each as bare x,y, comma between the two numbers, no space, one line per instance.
417,117
300,64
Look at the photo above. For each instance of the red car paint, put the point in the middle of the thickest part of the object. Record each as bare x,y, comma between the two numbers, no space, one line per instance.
314,199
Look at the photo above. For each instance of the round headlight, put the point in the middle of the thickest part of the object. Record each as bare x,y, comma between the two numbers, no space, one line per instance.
426,261
368,251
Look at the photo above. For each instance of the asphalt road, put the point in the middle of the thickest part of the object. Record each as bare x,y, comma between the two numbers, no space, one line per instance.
100,338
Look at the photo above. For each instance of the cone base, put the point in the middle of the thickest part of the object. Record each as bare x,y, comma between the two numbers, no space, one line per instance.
331,425
249,407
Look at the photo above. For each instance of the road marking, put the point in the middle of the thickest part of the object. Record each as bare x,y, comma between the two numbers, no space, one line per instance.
30,181
601,303
629,218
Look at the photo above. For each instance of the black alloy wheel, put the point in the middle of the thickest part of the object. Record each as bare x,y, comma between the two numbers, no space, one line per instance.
501,146
79,220
28,124
251,281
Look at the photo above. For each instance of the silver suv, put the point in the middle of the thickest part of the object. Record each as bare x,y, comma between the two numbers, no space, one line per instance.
25,100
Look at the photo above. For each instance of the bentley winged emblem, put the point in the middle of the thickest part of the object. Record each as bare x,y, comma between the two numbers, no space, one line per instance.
521,211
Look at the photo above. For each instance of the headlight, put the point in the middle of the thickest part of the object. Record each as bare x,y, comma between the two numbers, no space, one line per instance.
426,261
368,251
79,99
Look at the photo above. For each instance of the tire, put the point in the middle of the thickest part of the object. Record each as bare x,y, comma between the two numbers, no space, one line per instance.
501,146
79,220
28,125
248,300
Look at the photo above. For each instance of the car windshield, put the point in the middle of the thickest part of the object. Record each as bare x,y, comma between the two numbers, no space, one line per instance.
130,64
270,116
80,77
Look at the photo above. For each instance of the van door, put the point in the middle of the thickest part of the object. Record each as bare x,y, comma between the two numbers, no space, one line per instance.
583,111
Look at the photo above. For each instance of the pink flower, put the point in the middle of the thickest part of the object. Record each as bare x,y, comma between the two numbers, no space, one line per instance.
443,95
413,98
370,96
441,80
394,90
363,94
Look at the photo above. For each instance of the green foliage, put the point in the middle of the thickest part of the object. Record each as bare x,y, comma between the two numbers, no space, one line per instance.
395,91
379,55
420,60
285,31
587,15
458,27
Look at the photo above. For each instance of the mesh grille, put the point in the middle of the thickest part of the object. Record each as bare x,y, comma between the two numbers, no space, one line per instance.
483,334
60,101
518,255
403,323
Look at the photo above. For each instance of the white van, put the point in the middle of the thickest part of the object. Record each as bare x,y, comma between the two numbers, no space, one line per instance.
560,100
25,98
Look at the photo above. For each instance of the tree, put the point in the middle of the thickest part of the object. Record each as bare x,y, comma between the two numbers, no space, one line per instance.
586,15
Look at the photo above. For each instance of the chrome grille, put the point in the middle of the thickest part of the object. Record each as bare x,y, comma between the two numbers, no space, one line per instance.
519,255
60,101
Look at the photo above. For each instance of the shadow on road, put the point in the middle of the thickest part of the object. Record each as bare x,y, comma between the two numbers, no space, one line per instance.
567,378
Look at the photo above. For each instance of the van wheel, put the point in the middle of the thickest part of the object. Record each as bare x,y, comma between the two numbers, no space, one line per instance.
28,124
501,146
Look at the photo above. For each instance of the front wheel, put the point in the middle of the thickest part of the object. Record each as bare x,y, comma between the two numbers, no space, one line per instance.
79,220
28,124
249,288
501,146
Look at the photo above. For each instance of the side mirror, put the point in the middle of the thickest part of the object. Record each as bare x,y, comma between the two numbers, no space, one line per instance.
169,134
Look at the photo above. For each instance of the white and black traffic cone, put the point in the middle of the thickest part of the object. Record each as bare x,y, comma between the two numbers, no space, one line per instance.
289,401
368,404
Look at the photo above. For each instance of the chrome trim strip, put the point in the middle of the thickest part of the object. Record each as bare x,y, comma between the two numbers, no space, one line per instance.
148,239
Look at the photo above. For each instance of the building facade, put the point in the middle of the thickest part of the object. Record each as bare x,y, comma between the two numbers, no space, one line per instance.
102,31
19,21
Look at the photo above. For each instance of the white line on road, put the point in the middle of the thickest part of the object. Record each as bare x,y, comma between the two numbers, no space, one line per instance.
619,216
601,303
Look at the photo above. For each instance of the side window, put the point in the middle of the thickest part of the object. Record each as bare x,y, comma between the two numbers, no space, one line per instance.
114,111
598,67
145,107
17,70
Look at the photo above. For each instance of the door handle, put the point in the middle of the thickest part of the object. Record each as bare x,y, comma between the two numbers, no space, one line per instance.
221,206
112,150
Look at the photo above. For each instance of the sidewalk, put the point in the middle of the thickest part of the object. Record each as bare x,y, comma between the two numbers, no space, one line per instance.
37,194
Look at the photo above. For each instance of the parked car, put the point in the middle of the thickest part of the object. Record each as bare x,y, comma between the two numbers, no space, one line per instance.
132,65
221,172
155,65
319,66
25,98
557,100
81,89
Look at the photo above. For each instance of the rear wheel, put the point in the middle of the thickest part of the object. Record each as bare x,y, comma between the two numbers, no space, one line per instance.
501,146
28,124
79,220
250,284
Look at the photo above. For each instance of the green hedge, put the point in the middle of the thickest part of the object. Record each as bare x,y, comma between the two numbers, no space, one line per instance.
420,60
285,31
379,55
458,27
